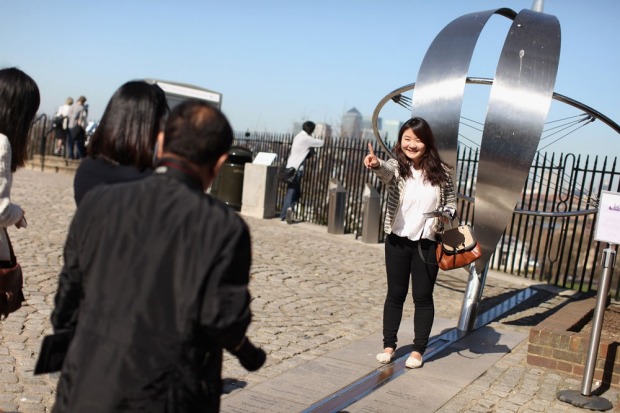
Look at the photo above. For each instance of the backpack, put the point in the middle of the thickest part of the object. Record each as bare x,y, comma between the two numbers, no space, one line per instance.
57,122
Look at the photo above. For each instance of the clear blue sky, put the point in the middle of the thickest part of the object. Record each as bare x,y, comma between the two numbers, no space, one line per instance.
281,61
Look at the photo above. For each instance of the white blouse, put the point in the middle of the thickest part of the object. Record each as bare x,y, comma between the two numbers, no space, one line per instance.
419,197
10,213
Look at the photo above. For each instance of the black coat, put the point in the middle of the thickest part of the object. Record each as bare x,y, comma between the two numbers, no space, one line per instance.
155,284
96,171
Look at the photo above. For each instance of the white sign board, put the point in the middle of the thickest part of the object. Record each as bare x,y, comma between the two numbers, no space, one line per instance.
265,158
608,223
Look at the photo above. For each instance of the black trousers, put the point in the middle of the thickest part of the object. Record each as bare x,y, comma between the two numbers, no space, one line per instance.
403,263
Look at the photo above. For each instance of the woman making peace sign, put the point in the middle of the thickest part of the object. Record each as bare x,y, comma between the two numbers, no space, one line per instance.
418,182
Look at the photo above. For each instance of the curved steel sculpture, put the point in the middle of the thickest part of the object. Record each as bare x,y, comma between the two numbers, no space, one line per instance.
441,80
486,82
520,98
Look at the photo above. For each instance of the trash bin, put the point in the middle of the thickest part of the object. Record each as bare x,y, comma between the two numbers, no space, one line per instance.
228,185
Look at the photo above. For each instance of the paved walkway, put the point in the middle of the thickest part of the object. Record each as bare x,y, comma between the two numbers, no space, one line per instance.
314,293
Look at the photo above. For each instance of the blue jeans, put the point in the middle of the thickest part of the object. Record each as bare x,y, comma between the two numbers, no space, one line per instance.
293,193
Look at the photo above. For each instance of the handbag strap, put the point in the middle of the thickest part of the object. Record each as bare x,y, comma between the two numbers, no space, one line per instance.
454,218
422,255
439,245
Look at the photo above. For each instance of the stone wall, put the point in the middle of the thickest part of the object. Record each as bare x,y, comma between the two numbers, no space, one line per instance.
558,343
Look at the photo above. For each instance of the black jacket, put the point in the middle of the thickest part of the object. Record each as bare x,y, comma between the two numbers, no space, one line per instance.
96,171
155,284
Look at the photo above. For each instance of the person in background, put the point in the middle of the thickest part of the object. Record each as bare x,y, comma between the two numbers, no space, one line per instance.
302,145
19,102
61,125
418,182
76,138
121,148
155,282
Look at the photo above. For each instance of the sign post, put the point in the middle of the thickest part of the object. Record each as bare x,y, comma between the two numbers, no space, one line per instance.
607,230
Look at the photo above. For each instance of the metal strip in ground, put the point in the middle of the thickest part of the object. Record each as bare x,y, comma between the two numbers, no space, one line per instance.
371,382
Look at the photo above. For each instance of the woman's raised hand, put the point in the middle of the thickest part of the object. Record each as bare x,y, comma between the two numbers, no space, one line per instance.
371,160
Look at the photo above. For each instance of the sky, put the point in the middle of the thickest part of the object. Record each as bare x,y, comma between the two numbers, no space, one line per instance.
277,62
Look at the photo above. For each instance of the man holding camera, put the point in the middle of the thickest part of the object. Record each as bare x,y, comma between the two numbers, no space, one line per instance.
302,147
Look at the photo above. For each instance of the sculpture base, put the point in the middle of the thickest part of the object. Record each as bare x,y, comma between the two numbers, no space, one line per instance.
575,398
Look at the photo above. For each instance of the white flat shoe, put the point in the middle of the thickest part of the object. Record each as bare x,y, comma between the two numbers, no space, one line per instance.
413,363
385,358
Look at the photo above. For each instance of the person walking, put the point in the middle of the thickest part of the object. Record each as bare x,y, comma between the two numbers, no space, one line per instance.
418,182
155,282
121,149
19,102
76,139
302,145
61,125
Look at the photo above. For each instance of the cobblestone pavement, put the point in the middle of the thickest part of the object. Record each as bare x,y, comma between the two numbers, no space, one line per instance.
312,293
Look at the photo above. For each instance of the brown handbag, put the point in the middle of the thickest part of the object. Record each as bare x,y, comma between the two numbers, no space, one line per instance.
11,283
457,248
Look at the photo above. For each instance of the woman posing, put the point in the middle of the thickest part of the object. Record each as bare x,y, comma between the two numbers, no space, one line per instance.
122,147
418,182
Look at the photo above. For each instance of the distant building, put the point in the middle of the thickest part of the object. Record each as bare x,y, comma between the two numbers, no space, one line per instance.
297,127
367,122
351,124
367,132
323,130
390,130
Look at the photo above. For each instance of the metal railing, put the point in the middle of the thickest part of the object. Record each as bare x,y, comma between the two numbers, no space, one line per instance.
551,234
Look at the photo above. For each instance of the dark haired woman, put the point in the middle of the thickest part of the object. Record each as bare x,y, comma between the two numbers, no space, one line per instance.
418,182
122,147
19,101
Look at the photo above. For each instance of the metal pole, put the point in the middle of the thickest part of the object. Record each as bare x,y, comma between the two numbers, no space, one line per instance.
609,256
585,399
473,291
538,5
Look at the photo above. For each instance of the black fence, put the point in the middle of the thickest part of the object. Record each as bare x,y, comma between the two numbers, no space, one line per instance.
42,137
551,234
550,237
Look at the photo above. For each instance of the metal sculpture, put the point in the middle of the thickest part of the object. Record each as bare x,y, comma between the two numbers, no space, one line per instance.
520,98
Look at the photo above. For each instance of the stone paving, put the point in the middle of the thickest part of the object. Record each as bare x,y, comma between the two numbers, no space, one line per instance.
312,293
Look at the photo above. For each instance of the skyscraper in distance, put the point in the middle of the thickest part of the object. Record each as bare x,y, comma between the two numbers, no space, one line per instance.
351,124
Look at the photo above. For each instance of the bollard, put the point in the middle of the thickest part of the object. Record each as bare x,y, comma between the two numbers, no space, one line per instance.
337,203
260,189
372,213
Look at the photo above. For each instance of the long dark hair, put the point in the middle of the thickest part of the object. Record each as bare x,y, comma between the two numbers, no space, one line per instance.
129,126
19,102
432,165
